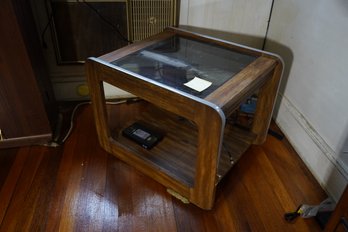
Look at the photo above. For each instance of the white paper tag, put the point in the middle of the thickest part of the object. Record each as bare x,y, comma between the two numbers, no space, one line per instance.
198,84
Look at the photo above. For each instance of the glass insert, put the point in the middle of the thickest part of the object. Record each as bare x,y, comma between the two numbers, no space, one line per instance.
187,65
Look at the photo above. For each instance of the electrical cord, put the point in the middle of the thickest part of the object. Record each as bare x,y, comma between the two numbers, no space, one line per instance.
106,21
56,141
45,30
232,160
51,16
72,120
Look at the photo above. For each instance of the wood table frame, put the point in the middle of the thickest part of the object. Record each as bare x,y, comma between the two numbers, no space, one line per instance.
209,114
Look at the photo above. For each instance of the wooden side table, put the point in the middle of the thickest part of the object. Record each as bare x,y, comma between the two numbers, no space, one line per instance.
166,72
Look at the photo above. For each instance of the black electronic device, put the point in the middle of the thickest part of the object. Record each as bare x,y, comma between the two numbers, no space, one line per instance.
142,134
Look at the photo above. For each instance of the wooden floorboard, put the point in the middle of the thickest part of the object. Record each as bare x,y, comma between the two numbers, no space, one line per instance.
80,187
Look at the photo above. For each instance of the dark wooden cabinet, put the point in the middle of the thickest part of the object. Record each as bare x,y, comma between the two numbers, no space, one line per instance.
26,97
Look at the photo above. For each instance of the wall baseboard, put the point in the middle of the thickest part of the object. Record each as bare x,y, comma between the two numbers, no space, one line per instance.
318,156
26,140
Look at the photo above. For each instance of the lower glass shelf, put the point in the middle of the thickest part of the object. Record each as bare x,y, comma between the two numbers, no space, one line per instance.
175,154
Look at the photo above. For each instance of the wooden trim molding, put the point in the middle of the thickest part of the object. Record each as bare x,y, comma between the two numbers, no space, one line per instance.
26,140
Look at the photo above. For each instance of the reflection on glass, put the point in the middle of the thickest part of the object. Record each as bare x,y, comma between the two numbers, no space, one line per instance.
177,61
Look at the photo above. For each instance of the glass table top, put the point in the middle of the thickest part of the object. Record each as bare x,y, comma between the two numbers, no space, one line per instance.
187,65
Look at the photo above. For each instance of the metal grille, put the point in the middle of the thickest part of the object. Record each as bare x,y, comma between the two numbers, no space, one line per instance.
148,17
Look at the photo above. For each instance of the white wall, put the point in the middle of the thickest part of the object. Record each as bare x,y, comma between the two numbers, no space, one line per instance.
245,17
249,18
313,110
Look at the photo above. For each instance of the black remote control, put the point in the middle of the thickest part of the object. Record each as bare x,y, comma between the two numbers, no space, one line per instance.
143,135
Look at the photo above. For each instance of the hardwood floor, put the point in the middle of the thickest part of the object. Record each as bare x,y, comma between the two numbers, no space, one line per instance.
80,187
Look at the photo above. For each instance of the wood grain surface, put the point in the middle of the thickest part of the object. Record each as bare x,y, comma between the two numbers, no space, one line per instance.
23,118
80,187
